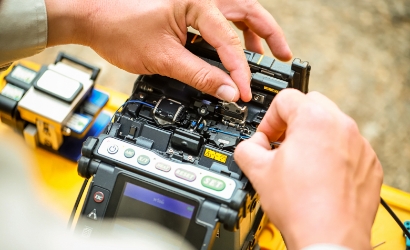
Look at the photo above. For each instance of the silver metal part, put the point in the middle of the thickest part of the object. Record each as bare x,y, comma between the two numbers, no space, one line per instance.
177,113
49,113
259,98
66,131
268,72
147,88
233,113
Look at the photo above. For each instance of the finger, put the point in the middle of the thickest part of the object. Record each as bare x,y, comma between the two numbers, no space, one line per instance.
281,112
216,30
249,152
252,41
322,100
199,74
255,158
260,21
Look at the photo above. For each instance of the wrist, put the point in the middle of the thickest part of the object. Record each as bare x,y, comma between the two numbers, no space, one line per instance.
67,22
340,232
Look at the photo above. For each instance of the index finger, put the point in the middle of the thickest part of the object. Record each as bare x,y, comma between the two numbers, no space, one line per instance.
270,30
216,30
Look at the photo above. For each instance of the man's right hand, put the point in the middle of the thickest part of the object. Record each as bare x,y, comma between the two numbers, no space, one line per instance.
322,185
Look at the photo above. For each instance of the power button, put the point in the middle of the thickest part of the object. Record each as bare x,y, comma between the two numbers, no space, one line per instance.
112,149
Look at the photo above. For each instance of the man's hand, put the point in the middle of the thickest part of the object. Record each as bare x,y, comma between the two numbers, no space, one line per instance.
148,37
322,185
256,23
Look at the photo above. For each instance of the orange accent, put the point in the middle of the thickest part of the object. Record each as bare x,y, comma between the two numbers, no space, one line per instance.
193,39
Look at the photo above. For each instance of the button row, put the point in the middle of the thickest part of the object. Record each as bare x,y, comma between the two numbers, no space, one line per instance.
206,181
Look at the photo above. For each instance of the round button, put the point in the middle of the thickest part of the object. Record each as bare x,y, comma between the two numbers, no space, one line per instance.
129,153
98,197
112,149
143,160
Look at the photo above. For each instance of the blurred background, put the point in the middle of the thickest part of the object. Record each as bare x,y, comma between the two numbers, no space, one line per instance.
360,57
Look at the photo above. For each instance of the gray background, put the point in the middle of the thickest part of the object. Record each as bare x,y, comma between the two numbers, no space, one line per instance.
360,55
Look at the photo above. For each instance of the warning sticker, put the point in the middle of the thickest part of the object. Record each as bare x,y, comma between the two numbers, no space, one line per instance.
271,89
215,155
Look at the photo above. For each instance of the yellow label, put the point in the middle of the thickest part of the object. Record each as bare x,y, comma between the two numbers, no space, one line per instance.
271,89
215,155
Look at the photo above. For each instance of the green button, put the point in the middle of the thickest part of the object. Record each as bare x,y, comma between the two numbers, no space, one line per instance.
129,153
143,159
213,183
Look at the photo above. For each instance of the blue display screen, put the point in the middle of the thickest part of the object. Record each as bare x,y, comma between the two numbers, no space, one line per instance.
158,200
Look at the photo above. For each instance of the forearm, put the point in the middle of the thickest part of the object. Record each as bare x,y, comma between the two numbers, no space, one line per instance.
67,21
23,29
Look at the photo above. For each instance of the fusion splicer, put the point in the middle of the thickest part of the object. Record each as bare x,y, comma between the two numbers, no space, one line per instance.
56,108
167,158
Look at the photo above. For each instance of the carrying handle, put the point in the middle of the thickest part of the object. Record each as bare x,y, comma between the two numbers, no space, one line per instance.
95,70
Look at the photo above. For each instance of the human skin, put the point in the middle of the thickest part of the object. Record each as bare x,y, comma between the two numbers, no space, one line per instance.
322,185
148,37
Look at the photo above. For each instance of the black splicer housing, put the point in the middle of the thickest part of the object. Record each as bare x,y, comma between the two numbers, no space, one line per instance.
167,157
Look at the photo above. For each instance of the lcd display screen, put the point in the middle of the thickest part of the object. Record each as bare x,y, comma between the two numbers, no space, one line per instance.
140,203
143,204
146,210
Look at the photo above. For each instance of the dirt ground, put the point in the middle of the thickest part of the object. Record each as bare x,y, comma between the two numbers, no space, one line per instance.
360,56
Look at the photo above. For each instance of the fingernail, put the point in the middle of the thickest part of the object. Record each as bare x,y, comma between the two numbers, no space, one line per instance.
226,93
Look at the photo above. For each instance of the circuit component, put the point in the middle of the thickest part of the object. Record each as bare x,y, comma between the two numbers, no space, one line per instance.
233,114
168,111
187,140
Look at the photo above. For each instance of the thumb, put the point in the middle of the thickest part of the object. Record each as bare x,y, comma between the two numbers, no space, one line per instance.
254,157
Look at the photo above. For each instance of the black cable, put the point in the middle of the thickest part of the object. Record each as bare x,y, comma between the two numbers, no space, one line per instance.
405,231
77,202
